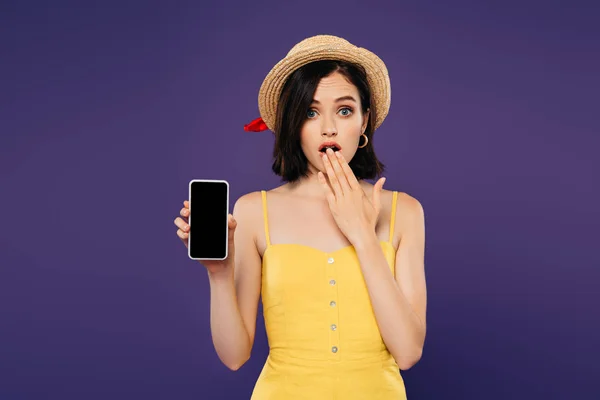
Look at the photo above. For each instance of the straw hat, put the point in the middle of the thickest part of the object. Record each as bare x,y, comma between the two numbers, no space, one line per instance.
316,48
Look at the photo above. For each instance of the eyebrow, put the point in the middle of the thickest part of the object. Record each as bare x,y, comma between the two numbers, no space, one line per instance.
338,99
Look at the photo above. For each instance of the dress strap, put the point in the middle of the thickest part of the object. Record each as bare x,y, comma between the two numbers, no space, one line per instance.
266,219
393,218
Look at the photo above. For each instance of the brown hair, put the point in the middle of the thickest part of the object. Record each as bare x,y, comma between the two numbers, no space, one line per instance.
294,102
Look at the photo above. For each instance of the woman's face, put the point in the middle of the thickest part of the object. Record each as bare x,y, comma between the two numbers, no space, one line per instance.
334,116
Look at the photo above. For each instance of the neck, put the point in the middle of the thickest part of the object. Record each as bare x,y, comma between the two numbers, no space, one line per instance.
307,186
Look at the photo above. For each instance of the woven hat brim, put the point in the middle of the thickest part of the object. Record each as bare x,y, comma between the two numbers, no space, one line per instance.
377,77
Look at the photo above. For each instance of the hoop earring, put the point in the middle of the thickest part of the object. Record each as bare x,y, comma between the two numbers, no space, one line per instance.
366,141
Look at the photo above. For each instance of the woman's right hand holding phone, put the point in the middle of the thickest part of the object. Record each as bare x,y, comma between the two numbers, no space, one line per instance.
213,266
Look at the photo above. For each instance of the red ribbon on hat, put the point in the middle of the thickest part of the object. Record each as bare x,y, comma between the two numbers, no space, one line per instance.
256,125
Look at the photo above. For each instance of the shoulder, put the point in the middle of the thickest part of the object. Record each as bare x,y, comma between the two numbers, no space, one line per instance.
409,212
248,208
408,205
249,198
404,201
247,212
250,203
247,204
410,215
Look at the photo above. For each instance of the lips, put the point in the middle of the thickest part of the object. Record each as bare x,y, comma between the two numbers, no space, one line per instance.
333,145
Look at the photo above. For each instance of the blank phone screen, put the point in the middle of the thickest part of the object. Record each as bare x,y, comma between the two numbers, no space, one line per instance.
209,209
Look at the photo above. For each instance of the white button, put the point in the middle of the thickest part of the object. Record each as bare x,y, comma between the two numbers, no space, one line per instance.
332,303
332,282
334,349
330,260
333,327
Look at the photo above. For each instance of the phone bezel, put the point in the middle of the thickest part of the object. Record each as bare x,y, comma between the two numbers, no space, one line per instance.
226,217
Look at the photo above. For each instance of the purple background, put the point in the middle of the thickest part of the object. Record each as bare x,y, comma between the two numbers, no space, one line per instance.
109,109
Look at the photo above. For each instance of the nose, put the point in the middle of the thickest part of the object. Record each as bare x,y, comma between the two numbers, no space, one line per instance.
329,129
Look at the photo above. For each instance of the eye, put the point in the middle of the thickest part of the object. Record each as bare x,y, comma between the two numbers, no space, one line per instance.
346,109
310,113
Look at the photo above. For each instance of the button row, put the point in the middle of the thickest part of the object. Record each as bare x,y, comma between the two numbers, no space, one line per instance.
332,303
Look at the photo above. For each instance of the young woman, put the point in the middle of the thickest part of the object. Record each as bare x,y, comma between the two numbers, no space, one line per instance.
339,262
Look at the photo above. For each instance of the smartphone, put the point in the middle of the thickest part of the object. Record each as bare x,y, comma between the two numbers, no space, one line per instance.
209,209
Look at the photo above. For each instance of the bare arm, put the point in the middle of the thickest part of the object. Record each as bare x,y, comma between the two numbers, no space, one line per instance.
399,304
235,290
